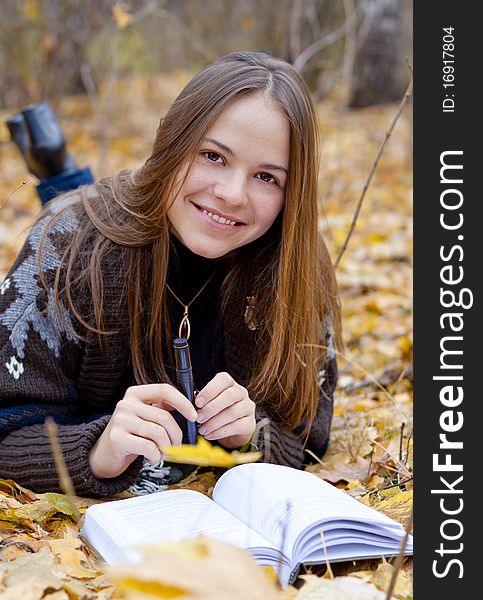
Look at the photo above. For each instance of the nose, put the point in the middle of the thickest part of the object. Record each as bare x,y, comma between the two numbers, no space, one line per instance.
231,188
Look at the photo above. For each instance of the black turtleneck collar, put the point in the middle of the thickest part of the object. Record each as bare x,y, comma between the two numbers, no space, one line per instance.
187,274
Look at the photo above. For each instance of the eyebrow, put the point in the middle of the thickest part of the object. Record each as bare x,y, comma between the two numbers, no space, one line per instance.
231,153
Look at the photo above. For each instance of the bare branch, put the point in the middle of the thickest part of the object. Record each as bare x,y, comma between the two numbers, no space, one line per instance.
406,96
400,558
324,42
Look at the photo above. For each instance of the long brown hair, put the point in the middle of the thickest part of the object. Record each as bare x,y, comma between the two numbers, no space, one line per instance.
297,292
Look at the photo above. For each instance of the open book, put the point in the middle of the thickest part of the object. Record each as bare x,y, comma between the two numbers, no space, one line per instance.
282,516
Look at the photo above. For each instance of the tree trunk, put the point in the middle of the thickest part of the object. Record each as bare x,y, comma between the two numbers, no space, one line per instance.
380,73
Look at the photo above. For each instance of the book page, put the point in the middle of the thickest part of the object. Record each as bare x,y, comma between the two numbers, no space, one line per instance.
168,515
280,503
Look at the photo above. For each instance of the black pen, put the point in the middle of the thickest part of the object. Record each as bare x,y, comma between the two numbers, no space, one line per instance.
184,379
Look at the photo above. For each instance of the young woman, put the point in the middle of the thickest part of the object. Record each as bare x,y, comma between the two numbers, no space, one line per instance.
214,237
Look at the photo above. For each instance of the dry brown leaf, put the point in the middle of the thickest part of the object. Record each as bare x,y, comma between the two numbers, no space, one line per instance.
403,590
340,467
200,482
354,588
16,544
201,569
69,555
382,576
29,576
10,488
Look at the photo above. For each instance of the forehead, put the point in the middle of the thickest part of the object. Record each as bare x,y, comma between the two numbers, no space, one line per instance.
253,122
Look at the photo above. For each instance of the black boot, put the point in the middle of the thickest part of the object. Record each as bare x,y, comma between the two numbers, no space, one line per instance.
39,138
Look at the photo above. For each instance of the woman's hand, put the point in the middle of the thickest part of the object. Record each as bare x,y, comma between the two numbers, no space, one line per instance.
140,423
225,412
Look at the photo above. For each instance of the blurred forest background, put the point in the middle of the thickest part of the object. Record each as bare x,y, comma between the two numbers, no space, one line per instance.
111,69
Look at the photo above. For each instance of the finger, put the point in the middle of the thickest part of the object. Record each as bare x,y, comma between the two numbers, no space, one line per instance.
220,382
228,397
164,394
164,430
140,446
241,426
223,418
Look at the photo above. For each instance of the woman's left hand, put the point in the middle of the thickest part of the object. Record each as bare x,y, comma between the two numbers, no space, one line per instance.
225,412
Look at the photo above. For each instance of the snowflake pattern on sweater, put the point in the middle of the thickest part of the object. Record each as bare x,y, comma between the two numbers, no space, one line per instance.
23,313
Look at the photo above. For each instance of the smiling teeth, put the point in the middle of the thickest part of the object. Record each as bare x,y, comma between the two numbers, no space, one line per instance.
218,218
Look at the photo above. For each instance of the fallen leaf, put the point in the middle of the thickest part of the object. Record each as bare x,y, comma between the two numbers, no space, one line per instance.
200,482
62,504
68,553
399,507
121,14
191,570
29,576
10,488
204,454
340,467
354,588
403,590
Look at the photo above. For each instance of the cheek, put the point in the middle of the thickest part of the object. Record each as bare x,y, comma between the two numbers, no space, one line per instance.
268,214
195,181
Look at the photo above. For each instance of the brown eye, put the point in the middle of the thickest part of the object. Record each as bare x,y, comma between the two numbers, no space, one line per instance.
267,178
213,156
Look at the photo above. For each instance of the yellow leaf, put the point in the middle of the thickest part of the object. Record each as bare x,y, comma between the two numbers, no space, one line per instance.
136,590
382,578
248,23
206,455
121,14
353,484
191,569
398,507
375,238
62,504
31,10
340,587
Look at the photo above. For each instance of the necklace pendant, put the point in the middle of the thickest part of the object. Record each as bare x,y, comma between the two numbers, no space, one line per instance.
184,328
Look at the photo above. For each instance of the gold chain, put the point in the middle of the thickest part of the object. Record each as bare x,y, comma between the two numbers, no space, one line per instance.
184,329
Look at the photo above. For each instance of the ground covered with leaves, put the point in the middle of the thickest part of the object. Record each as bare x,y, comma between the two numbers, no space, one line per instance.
370,453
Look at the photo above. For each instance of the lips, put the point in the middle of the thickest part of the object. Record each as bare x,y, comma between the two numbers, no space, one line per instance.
219,217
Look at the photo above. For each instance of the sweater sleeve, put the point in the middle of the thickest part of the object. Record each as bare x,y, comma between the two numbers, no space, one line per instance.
26,457
40,362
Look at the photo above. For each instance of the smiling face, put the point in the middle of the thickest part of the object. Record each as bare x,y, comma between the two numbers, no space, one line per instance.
236,186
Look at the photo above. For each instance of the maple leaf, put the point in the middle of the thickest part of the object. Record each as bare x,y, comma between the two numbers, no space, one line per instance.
206,455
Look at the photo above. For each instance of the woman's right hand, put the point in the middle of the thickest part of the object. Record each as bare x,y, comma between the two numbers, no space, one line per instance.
140,423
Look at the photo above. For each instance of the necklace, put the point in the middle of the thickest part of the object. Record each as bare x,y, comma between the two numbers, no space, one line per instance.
184,329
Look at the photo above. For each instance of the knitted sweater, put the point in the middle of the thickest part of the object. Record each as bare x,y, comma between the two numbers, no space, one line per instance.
46,370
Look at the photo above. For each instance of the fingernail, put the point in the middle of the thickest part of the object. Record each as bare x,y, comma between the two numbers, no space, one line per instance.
194,413
202,430
199,401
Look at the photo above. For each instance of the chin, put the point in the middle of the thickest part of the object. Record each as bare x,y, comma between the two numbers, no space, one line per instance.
206,250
